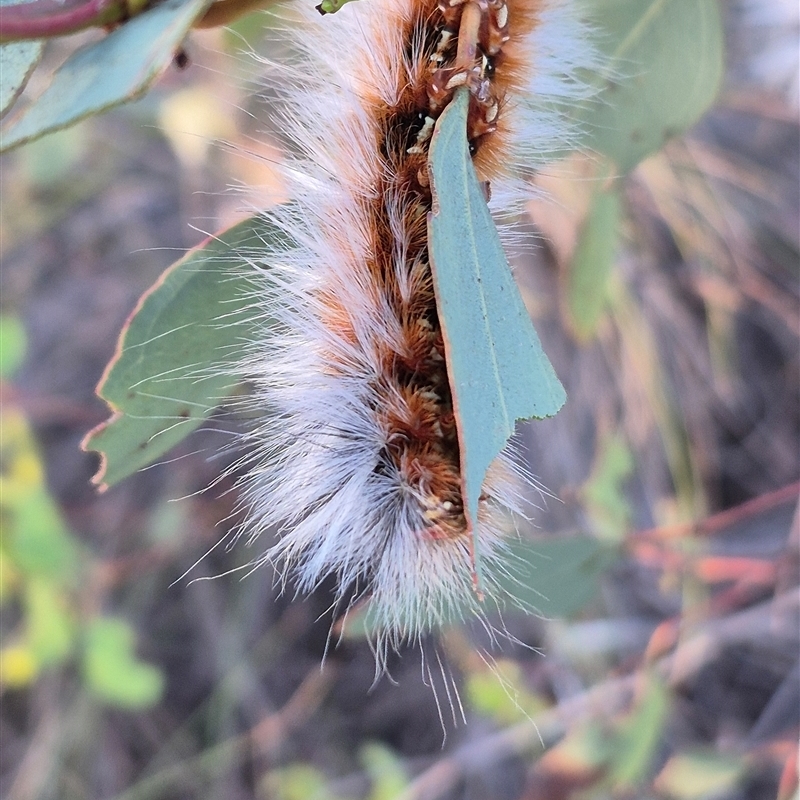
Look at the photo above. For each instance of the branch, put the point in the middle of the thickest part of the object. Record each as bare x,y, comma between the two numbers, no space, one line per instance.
42,19
774,618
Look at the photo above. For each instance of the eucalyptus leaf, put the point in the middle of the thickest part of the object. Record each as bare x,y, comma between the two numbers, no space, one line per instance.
501,694
664,67
331,6
699,775
557,577
12,345
604,491
585,749
298,781
498,371
111,669
386,771
17,62
587,277
116,69
170,369
38,541
50,629
35,539
640,735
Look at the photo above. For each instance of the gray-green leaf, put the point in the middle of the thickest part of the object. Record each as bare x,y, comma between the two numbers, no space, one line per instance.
664,69
171,369
559,576
17,61
498,371
587,279
118,68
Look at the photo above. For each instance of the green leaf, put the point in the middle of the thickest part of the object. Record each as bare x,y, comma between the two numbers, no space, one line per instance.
49,628
603,492
12,345
331,6
386,772
118,68
298,782
557,577
587,278
640,735
498,371
500,693
167,375
38,541
699,776
664,69
111,669
584,752
17,62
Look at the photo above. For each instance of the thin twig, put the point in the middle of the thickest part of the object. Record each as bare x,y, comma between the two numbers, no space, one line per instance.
605,698
42,19
726,519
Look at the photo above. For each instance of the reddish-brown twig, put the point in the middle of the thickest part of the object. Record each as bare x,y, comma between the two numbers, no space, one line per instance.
42,19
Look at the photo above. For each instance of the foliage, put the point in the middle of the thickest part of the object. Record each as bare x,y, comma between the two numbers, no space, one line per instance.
43,571
17,61
663,69
116,69
666,67
41,567
644,40
162,384
499,372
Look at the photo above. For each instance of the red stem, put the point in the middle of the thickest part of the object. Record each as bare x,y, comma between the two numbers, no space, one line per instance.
725,519
42,19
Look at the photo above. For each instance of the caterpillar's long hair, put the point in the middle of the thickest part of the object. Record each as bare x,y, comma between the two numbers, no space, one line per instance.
356,459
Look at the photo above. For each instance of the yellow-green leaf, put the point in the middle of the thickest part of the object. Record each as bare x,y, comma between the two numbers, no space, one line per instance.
699,776
298,782
386,772
111,669
500,693
12,344
49,627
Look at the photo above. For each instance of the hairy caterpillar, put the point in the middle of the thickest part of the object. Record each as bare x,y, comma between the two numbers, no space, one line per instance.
357,457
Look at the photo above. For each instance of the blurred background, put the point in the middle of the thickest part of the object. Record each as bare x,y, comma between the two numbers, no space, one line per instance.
667,666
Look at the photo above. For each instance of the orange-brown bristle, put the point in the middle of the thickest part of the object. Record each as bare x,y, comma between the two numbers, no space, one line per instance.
412,389
511,69
356,449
